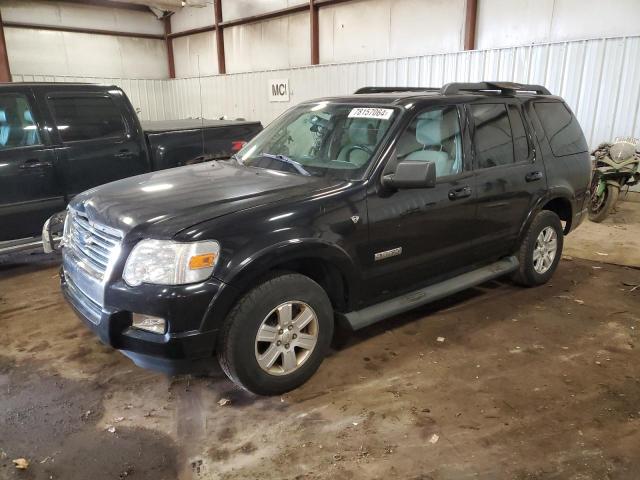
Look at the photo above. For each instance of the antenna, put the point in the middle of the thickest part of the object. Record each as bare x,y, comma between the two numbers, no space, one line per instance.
201,114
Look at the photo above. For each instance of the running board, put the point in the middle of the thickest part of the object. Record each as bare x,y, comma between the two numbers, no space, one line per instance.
370,315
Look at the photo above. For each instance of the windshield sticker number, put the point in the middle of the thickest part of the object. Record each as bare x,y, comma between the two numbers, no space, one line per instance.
381,113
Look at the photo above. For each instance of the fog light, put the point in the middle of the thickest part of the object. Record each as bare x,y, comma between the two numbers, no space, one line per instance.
149,323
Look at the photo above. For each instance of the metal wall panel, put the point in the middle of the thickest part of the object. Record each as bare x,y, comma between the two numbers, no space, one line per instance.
599,78
149,97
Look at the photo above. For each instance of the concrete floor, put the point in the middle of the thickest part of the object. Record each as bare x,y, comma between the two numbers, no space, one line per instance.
528,384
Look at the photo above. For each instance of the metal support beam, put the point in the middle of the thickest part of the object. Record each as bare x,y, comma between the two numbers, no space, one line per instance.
193,31
169,43
315,33
111,4
93,31
471,18
222,64
5,71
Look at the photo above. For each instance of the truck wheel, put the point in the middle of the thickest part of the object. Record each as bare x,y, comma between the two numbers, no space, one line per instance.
277,335
600,208
540,251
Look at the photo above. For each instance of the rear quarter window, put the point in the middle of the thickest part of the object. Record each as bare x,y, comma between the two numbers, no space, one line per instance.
562,128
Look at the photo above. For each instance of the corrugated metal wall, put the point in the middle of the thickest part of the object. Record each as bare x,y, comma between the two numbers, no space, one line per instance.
600,79
149,97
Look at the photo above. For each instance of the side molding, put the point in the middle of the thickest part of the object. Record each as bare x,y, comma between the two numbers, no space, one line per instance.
370,315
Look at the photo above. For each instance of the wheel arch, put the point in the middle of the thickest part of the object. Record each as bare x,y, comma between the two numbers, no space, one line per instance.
559,203
326,264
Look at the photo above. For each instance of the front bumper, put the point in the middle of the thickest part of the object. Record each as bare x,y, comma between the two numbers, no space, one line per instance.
173,352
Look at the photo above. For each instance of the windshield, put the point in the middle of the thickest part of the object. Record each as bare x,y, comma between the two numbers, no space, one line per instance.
320,139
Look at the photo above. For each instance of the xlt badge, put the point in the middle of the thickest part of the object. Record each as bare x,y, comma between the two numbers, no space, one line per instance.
387,253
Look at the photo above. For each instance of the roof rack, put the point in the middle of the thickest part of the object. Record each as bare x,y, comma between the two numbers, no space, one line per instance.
506,88
394,89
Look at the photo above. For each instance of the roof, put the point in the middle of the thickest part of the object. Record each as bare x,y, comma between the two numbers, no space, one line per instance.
405,95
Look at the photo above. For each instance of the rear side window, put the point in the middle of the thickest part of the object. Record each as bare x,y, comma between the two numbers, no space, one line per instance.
562,129
86,118
493,138
520,139
17,128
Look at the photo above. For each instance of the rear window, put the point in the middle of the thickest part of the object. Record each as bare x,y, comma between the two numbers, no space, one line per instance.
493,138
562,129
86,118
520,140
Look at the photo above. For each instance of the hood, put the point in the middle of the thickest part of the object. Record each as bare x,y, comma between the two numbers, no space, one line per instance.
163,203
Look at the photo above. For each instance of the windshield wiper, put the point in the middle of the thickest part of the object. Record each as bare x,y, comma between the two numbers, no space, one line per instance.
284,159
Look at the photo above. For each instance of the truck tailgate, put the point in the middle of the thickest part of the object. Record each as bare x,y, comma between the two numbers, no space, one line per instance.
174,143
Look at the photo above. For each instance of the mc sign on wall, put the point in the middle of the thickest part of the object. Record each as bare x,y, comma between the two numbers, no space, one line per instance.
279,90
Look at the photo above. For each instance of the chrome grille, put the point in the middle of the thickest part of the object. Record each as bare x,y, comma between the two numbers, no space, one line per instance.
95,245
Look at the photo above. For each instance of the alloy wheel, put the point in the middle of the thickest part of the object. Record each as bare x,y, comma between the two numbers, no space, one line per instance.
286,338
545,250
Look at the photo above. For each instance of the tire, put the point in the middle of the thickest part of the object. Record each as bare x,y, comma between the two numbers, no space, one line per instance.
611,197
261,309
528,273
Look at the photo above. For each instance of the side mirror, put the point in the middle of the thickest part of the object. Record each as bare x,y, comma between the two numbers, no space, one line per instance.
411,174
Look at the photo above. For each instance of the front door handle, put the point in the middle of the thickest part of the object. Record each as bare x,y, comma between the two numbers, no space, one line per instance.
533,176
461,192
35,163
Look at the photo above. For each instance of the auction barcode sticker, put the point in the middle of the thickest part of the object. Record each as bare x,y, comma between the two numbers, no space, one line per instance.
381,113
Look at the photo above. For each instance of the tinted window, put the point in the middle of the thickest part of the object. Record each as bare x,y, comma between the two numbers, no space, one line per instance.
493,139
520,140
562,129
434,136
86,118
17,128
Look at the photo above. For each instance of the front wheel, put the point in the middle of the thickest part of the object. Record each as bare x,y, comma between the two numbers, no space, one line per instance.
540,250
600,207
277,335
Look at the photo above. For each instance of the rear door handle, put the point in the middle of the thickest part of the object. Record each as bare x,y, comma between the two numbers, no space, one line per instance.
34,163
461,192
533,176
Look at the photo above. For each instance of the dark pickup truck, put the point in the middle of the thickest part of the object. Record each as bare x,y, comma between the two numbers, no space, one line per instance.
342,212
60,139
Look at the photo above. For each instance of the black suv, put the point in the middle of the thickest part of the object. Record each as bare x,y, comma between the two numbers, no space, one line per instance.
344,210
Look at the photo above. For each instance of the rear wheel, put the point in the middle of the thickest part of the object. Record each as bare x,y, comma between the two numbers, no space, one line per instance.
540,250
600,207
277,335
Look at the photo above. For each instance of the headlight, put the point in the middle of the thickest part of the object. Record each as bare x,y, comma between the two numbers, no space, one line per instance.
165,262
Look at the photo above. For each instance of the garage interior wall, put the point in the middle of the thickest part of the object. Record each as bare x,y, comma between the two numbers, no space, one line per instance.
43,51
563,44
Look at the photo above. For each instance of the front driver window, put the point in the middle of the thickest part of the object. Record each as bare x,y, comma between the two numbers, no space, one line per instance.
434,136
17,128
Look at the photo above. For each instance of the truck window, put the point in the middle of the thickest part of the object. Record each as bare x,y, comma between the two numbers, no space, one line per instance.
493,139
434,136
86,117
17,128
562,128
521,147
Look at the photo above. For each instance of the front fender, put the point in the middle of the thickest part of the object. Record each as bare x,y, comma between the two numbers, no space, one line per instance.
248,271
259,263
